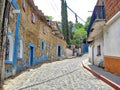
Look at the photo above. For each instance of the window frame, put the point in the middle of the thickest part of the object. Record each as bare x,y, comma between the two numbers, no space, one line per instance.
33,18
24,5
98,50
11,49
20,48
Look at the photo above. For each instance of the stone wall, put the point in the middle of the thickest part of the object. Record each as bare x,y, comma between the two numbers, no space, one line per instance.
34,33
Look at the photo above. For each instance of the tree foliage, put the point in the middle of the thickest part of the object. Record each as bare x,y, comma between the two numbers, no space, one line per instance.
65,28
87,23
79,35
48,17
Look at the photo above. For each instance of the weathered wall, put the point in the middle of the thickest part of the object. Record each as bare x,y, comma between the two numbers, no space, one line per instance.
112,7
111,39
69,52
98,41
34,33
112,50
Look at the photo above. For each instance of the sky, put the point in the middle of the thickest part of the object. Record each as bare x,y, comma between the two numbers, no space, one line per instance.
83,8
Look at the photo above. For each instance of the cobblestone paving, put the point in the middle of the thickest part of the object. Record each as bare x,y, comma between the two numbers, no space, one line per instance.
61,75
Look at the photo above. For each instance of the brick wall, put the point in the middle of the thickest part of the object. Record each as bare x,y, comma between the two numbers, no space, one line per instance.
112,7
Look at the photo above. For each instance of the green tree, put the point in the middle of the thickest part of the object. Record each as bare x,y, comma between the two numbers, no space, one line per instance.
70,29
48,17
65,27
78,25
79,35
87,23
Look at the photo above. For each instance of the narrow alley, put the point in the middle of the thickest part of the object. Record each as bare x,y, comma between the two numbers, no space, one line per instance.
60,75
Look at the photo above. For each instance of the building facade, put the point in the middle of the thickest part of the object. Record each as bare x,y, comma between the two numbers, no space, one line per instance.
95,34
111,37
30,38
105,35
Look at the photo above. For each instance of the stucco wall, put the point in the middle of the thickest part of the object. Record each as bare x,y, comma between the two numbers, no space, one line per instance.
112,39
98,41
112,47
90,53
69,52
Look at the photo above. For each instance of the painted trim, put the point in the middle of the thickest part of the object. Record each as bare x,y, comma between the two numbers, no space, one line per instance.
20,55
15,5
31,44
113,19
11,49
115,57
102,77
15,11
40,59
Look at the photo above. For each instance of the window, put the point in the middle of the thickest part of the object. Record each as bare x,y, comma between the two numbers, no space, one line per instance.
24,5
59,51
43,45
33,18
98,50
44,30
20,49
9,49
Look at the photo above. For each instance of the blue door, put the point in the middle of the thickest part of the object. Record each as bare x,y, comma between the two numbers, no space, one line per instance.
31,55
59,51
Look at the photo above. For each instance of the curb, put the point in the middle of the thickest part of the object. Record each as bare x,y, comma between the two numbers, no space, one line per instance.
106,80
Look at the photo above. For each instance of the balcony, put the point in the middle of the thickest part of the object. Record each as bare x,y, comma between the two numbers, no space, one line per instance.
96,23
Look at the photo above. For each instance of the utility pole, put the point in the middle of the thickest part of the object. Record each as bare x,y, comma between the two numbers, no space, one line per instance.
76,18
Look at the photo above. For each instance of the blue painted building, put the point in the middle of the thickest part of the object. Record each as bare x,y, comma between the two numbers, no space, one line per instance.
30,39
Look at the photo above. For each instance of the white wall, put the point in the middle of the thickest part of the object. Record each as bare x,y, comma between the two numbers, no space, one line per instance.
98,41
93,50
90,53
68,52
112,39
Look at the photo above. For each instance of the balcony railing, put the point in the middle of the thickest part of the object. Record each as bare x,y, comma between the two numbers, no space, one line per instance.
98,14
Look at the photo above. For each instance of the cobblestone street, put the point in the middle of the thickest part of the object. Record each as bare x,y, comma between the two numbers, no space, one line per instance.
61,75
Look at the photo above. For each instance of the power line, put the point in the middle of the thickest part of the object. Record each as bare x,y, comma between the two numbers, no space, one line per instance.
51,6
75,14
55,9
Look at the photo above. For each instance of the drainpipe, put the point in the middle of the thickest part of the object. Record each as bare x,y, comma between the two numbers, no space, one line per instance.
17,11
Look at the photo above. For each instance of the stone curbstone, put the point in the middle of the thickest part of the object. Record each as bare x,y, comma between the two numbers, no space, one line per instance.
106,80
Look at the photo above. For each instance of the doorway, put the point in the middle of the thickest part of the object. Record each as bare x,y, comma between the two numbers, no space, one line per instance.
59,51
31,54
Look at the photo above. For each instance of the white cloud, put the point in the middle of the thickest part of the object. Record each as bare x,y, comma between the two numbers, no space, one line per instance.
53,8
